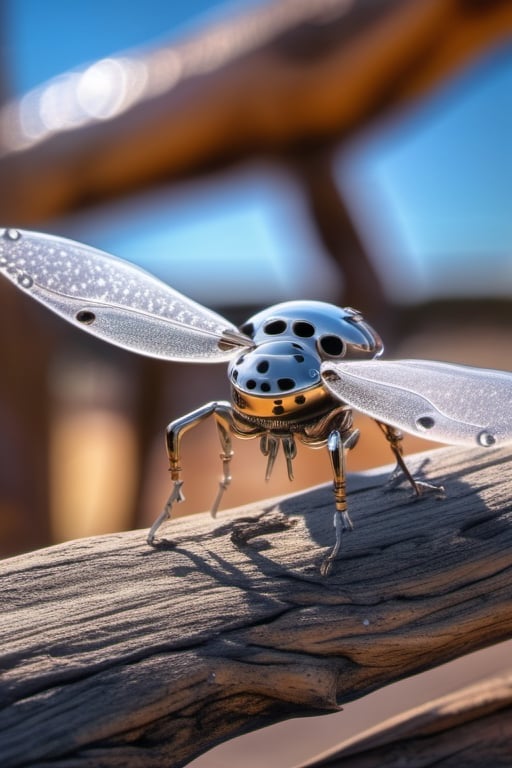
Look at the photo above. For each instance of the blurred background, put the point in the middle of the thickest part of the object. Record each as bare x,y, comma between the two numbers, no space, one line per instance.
246,152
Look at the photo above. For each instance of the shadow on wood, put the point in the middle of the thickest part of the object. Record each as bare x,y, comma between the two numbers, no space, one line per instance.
114,653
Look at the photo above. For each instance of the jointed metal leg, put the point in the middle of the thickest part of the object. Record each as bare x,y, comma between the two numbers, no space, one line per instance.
222,413
174,498
394,438
224,432
342,521
290,452
269,446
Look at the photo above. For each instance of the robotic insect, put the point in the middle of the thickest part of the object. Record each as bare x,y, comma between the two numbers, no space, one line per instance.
296,369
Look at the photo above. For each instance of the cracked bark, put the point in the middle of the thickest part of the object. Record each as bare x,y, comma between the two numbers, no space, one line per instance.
117,654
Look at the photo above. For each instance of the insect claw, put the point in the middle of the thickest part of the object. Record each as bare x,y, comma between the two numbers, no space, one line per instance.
342,523
176,496
420,488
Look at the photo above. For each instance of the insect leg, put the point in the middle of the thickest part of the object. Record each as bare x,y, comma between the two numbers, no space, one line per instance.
224,426
342,521
175,497
175,431
290,452
269,446
394,438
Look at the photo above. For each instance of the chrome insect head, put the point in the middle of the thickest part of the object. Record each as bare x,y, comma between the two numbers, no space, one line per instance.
296,369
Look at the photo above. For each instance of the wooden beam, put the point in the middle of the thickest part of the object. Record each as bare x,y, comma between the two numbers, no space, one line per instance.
113,653
286,76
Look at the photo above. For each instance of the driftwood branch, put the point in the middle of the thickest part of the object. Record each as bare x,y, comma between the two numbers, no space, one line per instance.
116,654
472,727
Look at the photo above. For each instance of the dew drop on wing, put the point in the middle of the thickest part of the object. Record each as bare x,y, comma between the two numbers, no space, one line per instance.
25,281
486,439
12,234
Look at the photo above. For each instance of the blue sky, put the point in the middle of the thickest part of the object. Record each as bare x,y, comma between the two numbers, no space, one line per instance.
431,192
50,36
442,181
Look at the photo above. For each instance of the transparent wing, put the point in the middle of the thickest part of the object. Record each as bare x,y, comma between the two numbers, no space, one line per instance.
441,401
115,300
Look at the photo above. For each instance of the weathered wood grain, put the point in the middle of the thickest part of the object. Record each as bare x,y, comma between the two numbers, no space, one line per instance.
471,728
116,654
